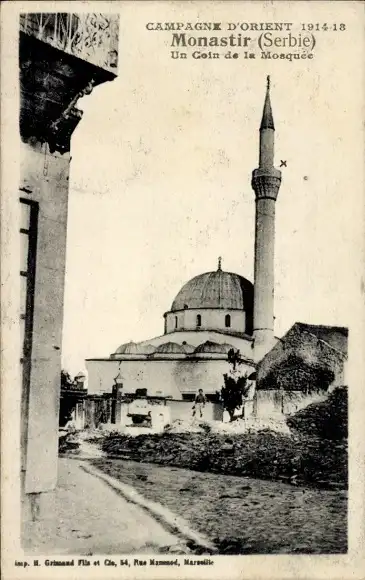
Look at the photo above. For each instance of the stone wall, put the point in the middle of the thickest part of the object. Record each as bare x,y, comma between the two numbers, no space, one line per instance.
304,346
276,404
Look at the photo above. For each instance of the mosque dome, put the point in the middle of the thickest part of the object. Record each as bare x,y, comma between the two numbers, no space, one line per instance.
214,301
133,348
170,348
218,289
210,347
127,348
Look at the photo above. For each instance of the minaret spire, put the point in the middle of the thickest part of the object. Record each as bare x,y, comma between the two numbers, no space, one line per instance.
265,183
267,121
267,132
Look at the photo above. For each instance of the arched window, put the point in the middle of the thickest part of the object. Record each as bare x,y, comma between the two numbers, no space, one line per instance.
228,320
198,320
175,321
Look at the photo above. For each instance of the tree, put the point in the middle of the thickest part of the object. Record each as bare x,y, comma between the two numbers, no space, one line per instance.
236,386
234,358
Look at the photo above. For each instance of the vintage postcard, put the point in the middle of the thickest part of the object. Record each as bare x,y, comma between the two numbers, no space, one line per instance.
182,289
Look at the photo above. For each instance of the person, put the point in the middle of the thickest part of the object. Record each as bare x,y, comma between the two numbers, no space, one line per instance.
199,403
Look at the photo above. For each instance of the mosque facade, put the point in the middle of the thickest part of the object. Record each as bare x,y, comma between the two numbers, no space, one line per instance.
212,313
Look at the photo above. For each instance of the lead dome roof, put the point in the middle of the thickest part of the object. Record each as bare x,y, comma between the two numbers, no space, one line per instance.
217,289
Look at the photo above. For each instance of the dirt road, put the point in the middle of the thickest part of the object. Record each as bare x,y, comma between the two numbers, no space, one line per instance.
85,516
242,515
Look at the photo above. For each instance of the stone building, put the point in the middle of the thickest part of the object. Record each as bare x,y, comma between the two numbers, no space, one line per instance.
61,58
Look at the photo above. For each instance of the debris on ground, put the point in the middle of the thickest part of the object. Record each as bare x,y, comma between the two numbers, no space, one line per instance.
265,454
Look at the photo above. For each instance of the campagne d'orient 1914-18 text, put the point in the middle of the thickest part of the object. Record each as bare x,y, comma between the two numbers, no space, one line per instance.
275,40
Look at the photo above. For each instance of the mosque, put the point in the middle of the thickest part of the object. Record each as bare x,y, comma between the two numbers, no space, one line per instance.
212,313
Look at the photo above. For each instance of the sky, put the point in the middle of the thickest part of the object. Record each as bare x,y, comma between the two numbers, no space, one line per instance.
161,171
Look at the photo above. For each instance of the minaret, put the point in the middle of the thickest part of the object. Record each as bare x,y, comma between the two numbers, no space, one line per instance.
265,183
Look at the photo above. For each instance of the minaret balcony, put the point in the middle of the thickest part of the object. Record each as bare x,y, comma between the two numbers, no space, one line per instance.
266,183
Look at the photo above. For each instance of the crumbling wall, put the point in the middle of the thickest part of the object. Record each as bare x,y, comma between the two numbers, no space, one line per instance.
310,353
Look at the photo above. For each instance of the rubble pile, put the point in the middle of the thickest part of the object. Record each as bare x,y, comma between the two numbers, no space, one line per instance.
187,426
263,454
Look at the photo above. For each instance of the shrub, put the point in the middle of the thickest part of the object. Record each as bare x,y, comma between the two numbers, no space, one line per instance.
236,387
233,393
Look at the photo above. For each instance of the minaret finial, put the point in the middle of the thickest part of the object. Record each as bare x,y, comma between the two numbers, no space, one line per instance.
268,82
219,263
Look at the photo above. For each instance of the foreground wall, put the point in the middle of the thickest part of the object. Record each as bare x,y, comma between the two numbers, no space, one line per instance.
44,186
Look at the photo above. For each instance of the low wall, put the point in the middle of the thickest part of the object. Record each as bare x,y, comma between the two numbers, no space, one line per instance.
183,410
275,403
175,409
294,401
268,403
95,411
